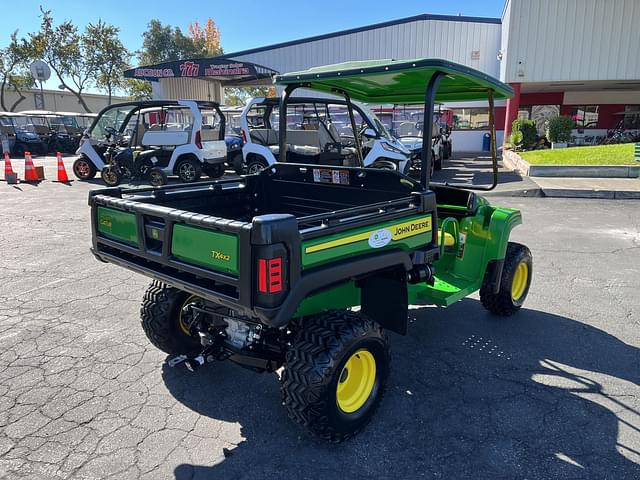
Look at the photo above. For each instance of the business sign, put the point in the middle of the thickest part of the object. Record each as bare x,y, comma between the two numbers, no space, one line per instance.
203,68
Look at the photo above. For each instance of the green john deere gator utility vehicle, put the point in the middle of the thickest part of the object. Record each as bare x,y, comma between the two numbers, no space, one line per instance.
264,270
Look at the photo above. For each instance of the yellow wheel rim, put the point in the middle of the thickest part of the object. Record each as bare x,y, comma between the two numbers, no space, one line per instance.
181,321
356,381
520,279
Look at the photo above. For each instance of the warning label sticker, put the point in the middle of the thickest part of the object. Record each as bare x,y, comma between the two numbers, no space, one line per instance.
329,175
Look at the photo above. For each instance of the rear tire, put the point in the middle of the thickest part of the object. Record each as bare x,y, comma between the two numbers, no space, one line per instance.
318,391
157,177
515,281
215,171
437,160
447,151
84,169
189,170
164,322
256,165
19,149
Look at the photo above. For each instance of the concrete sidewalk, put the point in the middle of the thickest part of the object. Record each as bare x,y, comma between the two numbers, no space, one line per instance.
474,168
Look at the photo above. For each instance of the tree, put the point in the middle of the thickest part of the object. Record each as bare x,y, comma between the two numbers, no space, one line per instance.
164,43
236,96
208,37
67,54
138,89
14,61
110,55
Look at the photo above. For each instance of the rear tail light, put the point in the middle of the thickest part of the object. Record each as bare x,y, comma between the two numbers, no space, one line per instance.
271,282
199,140
270,275
244,137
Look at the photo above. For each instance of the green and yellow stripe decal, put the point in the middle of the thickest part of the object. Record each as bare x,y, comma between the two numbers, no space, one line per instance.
408,234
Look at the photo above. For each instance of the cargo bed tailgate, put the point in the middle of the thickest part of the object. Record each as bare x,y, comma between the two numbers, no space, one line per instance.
186,249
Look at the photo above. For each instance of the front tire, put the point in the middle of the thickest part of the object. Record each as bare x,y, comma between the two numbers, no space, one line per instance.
515,281
165,320
110,176
84,169
335,374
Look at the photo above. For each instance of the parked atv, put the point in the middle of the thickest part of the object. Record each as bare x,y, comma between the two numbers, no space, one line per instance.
128,165
264,270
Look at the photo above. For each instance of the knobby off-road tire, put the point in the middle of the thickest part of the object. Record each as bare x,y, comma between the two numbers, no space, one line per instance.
162,321
515,281
315,366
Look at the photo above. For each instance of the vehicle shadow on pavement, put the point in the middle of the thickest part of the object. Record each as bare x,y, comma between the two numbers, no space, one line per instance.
470,396
475,171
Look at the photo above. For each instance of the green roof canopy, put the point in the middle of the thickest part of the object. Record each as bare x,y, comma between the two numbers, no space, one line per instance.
399,81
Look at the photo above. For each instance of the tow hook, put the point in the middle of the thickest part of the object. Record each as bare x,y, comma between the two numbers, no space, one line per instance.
193,364
172,362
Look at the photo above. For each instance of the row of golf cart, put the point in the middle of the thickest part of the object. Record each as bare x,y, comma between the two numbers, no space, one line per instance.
42,132
146,141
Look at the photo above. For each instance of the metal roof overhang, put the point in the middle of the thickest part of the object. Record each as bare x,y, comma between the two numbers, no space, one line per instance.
227,71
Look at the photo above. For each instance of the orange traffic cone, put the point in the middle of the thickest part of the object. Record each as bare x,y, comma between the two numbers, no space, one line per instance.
62,173
30,174
8,168
9,175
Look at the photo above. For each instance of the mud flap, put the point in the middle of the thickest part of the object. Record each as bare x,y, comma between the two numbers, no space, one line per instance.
385,300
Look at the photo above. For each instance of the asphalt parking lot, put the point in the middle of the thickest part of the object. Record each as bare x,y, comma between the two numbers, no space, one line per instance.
551,393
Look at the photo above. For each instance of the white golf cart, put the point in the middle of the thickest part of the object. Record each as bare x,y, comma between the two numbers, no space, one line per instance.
320,131
182,137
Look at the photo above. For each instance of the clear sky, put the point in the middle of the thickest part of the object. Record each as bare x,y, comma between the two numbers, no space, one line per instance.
242,24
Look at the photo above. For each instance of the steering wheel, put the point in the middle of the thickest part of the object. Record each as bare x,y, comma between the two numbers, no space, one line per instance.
111,132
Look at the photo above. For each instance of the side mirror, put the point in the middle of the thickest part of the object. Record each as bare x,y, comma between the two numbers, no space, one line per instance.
369,133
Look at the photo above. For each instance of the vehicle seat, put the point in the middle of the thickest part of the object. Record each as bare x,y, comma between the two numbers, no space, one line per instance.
264,136
455,202
449,240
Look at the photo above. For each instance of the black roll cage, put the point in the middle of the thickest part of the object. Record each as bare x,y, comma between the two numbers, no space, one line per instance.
427,121
142,104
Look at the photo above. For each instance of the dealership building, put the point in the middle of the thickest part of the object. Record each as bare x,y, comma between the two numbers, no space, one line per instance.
578,58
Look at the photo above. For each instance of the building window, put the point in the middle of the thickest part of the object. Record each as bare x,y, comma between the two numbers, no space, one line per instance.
470,118
585,116
540,114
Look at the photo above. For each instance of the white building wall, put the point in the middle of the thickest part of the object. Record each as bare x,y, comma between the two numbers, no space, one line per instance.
564,40
59,101
447,39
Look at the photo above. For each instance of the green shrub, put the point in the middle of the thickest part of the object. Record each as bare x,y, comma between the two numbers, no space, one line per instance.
559,129
528,130
516,139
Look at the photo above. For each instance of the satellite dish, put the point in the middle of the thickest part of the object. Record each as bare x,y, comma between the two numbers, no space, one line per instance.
40,70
